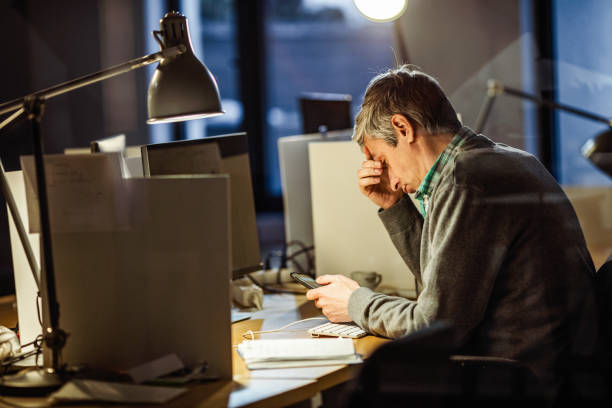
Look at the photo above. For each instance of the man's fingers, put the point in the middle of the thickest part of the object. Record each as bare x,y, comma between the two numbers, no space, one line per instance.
372,164
326,279
369,172
367,153
313,294
368,181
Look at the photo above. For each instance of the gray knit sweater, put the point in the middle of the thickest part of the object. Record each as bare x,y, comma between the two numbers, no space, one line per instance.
500,255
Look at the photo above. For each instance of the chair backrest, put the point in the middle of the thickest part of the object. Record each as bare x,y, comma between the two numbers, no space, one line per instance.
422,369
603,282
414,368
603,286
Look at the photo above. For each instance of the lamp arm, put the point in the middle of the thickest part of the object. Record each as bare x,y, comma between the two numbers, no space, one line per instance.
485,110
93,78
495,88
556,105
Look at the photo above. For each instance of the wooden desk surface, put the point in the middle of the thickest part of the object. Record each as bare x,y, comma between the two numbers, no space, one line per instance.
260,388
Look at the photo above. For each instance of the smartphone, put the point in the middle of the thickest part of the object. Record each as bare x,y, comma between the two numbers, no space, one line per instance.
305,280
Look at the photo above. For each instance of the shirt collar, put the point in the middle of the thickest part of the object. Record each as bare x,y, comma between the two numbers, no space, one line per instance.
433,175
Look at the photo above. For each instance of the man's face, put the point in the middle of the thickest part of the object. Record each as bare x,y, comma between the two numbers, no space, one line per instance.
399,168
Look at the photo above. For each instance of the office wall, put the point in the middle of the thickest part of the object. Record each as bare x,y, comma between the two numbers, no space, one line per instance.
49,42
464,43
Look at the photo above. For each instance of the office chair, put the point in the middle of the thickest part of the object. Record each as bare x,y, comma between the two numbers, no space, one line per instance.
422,368
588,379
603,286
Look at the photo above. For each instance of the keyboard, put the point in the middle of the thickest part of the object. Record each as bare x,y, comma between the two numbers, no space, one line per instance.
350,330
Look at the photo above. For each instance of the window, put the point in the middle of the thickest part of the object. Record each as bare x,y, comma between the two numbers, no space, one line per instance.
310,46
212,28
315,46
213,34
583,79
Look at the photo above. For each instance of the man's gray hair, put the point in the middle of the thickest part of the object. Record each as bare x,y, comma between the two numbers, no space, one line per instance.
408,91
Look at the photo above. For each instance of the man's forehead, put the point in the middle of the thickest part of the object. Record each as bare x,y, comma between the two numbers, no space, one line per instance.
373,147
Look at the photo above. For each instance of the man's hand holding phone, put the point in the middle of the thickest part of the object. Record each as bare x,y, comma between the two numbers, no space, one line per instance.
332,296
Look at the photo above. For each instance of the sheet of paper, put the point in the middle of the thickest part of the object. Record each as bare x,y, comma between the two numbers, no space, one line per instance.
87,390
313,372
84,193
206,157
156,368
258,365
25,285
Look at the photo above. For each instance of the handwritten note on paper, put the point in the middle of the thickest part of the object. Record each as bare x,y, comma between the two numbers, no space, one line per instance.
183,159
84,192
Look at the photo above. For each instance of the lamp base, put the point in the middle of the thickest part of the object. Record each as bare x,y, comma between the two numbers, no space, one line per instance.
31,381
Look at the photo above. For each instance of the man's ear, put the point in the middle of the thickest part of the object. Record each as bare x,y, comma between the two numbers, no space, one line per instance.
402,127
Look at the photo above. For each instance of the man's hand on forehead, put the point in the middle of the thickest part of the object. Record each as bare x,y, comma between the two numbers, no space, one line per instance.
369,157
373,181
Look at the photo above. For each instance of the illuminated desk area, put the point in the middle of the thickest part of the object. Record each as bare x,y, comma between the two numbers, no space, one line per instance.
261,388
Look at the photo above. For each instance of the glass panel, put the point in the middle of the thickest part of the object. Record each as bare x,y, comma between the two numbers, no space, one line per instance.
316,46
212,26
583,79
154,11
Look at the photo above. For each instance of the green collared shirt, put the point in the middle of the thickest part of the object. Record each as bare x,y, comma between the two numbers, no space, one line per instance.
433,175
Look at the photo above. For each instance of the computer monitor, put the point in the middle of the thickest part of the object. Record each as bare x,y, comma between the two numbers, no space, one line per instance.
228,154
348,234
325,109
295,182
110,144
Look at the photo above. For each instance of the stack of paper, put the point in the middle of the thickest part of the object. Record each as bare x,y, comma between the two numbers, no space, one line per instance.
297,353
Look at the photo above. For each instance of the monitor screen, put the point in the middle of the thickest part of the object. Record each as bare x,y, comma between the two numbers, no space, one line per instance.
227,154
324,109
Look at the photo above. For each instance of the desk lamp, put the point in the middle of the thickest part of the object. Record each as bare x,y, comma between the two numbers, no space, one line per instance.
598,149
182,88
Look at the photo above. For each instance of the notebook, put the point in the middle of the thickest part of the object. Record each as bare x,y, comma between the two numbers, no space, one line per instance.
283,353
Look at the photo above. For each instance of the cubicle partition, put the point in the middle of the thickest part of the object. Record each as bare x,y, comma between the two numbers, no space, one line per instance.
142,264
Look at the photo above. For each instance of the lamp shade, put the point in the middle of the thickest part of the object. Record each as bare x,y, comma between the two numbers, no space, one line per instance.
182,88
599,151
381,11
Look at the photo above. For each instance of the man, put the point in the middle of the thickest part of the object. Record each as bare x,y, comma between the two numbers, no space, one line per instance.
494,242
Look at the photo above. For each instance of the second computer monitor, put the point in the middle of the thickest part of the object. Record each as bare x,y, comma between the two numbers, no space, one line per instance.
333,111
228,154
295,182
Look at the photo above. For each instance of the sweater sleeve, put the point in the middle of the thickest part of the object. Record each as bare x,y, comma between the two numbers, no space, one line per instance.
466,244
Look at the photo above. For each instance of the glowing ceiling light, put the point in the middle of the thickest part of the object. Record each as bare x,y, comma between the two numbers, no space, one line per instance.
381,10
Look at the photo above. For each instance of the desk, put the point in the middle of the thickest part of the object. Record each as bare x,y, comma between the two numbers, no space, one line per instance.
263,388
